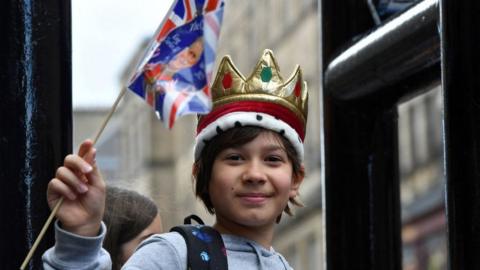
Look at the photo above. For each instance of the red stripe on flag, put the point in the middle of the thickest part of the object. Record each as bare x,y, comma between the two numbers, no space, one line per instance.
188,9
169,25
173,113
213,25
150,97
152,73
211,5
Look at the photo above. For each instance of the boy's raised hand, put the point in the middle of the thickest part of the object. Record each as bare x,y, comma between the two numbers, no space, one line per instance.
83,188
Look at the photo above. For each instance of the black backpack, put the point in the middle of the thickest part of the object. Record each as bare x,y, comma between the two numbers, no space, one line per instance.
205,247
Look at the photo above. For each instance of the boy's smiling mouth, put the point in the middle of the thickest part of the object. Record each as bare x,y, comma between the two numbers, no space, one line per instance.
254,197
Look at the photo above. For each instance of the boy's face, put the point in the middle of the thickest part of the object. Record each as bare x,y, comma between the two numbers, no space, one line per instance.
251,184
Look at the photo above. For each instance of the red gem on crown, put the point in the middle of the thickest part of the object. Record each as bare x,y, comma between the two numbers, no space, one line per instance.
227,81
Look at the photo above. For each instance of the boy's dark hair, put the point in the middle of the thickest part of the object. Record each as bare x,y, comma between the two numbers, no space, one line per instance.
234,137
127,214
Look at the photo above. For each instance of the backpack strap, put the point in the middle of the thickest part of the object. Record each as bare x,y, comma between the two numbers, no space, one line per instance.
188,220
205,247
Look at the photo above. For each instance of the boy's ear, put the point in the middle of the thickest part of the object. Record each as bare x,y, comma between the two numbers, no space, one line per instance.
195,169
297,181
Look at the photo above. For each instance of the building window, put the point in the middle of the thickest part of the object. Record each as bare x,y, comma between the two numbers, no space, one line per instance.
422,182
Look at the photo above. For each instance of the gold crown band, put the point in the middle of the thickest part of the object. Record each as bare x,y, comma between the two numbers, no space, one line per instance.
264,84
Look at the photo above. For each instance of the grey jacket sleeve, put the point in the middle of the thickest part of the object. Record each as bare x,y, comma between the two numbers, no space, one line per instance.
72,251
159,252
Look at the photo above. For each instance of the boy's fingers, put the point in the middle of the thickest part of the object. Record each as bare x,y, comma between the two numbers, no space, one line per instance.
95,178
84,147
56,189
77,164
68,177
84,165
90,156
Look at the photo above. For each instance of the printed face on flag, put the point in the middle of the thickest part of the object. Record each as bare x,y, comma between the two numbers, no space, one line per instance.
188,56
179,57
176,74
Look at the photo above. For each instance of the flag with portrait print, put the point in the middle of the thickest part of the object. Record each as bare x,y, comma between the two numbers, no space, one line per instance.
174,76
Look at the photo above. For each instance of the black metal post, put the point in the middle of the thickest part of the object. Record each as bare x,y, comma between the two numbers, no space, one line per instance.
460,24
35,108
362,205
362,87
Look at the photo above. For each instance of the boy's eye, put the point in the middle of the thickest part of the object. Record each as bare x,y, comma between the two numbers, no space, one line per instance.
274,158
233,157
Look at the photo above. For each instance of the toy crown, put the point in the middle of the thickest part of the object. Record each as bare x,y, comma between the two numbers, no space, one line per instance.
264,95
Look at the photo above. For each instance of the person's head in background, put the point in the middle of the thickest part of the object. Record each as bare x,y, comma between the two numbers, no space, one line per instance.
130,218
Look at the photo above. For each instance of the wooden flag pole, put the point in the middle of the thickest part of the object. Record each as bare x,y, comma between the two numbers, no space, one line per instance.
60,201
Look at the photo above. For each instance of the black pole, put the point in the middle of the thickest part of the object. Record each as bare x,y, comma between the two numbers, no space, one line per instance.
363,83
35,108
362,191
460,24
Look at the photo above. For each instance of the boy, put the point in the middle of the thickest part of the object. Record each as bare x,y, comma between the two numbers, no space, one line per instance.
248,167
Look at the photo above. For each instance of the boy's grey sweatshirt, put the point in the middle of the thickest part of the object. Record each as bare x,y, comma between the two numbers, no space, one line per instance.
161,251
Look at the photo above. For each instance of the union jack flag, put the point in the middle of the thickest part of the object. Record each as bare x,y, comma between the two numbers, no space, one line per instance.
176,71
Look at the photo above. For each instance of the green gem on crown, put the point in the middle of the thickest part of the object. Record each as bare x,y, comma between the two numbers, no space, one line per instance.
266,74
